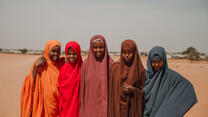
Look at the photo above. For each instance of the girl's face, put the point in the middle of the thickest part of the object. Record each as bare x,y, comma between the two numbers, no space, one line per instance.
157,64
72,56
98,50
54,53
127,55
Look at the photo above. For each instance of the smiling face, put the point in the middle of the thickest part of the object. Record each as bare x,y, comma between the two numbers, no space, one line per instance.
54,53
72,56
157,64
98,50
127,55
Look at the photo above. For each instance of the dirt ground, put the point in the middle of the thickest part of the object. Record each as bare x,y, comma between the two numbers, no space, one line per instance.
14,68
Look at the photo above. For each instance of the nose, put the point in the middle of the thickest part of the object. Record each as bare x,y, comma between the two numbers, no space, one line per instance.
98,49
71,55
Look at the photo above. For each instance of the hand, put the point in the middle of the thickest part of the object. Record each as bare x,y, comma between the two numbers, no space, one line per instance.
41,61
128,88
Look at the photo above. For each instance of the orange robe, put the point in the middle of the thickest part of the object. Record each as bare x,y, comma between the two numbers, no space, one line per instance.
41,100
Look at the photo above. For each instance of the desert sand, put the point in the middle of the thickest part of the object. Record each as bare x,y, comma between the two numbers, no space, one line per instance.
14,68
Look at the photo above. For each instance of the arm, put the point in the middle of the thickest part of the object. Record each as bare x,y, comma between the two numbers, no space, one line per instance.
41,61
129,89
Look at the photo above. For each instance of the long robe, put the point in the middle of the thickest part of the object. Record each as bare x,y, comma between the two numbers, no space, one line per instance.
69,84
41,100
94,83
167,93
131,105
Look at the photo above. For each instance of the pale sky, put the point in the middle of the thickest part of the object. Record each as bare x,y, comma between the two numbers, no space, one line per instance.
173,24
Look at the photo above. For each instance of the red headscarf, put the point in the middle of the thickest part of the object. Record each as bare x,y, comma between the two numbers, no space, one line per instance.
69,84
94,84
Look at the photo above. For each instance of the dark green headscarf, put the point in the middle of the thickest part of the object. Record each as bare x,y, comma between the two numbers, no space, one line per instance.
167,93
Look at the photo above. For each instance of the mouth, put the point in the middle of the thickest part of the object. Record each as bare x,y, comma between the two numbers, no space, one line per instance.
128,59
71,60
157,68
99,54
55,58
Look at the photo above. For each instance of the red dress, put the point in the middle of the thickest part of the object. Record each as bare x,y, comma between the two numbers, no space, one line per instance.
69,84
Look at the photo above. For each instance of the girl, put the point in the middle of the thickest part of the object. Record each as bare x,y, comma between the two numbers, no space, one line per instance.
127,78
167,93
69,81
39,96
94,80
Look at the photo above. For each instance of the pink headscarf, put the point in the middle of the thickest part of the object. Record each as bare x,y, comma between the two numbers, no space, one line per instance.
94,83
69,84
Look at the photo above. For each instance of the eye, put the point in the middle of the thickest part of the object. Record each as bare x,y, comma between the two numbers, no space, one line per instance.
102,47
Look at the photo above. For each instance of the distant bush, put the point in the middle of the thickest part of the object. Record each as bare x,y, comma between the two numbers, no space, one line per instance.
0,49
206,57
192,54
143,53
203,54
23,51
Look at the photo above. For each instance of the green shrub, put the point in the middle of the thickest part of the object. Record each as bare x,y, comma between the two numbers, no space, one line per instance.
23,51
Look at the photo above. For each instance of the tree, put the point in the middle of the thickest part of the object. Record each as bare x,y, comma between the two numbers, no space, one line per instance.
206,57
143,53
23,51
192,54
0,49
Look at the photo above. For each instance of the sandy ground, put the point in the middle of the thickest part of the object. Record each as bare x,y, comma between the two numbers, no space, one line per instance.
14,69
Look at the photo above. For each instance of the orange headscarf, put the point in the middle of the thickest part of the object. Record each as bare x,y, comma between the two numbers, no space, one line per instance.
41,100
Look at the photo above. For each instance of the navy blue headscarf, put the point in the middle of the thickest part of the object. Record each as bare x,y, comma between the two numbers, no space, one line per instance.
167,93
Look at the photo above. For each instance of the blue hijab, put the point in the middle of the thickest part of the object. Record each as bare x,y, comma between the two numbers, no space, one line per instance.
167,93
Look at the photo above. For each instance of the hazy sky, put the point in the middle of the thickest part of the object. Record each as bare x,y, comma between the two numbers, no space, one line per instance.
173,24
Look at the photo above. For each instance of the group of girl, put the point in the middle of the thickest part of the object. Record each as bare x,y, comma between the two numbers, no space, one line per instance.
99,87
